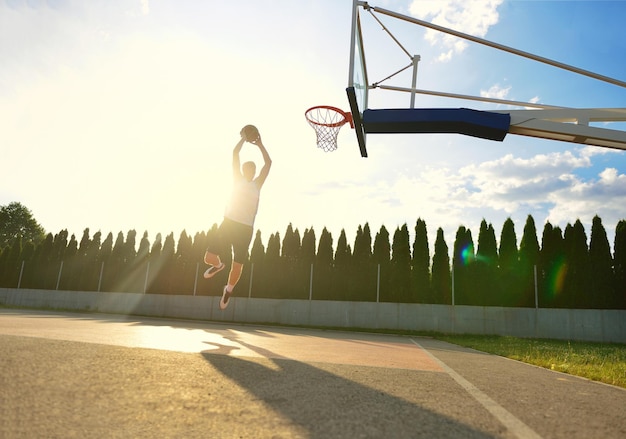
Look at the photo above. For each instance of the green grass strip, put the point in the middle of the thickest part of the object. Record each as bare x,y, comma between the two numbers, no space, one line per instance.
602,362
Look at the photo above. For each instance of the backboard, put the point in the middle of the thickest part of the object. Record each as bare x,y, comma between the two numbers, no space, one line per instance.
357,80
545,121
410,120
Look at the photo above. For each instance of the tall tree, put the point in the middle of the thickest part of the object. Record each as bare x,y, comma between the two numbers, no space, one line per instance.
84,242
185,265
138,273
45,264
11,264
464,283
291,245
59,245
343,274
78,268
619,263
508,262
381,258
257,266
69,274
90,276
143,253
308,248
420,264
602,291
257,253
115,271
363,244
486,265
27,257
365,274
131,281
168,257
16,220
308,258
528,260
155,258
272,260
104,260
401,267
293,272
4,268
441,281
323,271
577,279
325,249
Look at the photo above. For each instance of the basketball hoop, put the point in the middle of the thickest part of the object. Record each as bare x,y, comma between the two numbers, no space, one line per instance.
327,121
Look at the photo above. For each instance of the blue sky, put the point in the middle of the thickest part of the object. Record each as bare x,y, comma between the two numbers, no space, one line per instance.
120,115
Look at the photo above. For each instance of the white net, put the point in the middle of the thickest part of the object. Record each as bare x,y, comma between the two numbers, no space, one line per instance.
326,121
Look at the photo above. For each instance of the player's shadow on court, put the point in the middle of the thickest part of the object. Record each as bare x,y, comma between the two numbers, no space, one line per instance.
329,402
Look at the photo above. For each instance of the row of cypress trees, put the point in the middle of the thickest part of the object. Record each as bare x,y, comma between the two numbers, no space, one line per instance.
564,271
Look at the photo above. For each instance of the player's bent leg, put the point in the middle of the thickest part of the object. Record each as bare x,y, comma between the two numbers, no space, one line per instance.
216,265
211,258
233,277
235,274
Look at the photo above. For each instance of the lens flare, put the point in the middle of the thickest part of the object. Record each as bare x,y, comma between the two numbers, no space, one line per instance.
467,255
556,278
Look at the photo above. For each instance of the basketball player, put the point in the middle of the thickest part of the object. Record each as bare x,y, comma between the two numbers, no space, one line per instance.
236,230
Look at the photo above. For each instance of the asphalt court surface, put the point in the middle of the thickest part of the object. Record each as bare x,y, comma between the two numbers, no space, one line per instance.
91,375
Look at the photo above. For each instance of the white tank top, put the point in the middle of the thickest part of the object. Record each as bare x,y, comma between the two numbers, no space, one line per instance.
244,202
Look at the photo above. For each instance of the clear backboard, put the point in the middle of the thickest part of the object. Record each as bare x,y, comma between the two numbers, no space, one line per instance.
546,121
357,81
407,120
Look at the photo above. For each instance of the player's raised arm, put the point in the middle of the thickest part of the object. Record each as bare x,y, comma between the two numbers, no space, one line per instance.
236,159
267,162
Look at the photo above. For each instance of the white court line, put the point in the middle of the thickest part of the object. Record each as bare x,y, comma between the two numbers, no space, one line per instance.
514,425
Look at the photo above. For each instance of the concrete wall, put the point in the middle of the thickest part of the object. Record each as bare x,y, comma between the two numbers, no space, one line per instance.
566,324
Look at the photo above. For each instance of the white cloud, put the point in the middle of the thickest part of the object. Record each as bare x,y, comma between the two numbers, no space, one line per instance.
549,184
605,196
473,17
496,91
550,187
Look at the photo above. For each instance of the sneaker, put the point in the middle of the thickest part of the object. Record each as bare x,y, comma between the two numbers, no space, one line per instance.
225,298
213,270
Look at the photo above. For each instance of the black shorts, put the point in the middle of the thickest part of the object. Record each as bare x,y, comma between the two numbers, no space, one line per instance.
235,236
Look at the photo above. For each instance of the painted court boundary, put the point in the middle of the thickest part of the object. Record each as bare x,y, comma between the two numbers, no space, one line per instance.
514,425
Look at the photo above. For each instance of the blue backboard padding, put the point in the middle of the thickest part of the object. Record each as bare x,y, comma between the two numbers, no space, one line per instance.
483,124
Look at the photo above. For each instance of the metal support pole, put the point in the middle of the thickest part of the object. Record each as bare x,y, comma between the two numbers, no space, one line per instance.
195,282
19,281
416,60
378,284
251,277
536,292
100,279
145,282
453,285
59,277
497,46
311,284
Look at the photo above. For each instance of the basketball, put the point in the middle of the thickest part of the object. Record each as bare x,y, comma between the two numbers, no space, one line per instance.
250,133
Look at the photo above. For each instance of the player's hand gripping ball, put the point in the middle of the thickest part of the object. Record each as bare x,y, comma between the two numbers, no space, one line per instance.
249,133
